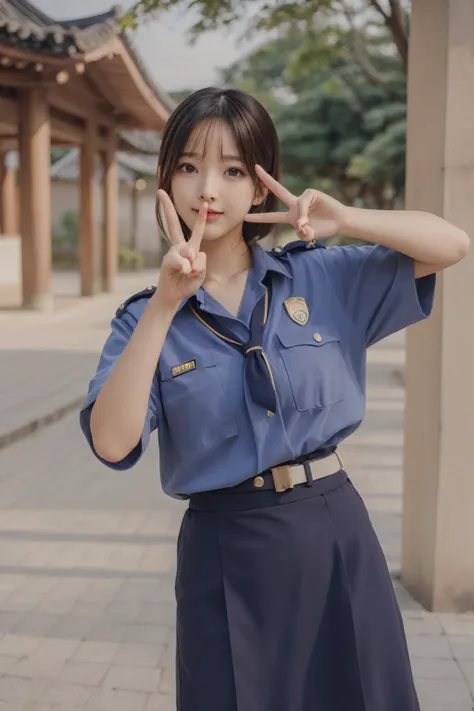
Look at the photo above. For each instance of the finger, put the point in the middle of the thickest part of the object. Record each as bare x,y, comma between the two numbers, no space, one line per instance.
275,217
199,227
306,233
172,219
277,188
177,262
307,200
199,264
188,252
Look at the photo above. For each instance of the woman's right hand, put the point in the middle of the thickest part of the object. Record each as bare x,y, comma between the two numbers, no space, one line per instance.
183,269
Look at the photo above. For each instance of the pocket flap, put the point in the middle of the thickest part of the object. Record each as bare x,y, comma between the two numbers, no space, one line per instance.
312,335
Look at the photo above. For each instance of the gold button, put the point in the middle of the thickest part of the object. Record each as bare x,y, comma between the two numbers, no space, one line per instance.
258,482
277,249
270,413
150,288
122,306
317,337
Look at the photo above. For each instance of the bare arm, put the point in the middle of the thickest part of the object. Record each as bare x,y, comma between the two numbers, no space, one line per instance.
118,415
431,241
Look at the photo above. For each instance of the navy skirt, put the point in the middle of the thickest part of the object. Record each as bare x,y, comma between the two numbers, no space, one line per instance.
285,603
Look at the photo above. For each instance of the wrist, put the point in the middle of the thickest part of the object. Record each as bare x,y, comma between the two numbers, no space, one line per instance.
162,307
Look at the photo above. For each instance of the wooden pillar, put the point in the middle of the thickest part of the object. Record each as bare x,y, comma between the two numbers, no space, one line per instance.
111,198
89,246
438,522
35,199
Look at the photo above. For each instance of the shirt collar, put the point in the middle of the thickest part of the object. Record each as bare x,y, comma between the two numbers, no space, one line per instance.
263,261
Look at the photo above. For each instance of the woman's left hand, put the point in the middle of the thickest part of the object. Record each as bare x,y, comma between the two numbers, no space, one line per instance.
313,214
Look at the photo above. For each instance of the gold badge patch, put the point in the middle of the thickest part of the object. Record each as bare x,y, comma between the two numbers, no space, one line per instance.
297,309
183,368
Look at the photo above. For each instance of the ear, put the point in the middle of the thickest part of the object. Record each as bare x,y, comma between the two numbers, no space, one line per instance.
261,192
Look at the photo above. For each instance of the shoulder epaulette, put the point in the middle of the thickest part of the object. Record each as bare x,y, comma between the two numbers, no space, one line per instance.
144,293
297,245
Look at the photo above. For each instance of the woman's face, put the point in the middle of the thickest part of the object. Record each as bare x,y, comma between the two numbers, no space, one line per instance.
210,170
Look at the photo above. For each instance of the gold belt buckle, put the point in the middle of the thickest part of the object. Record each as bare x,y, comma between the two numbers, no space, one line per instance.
282,478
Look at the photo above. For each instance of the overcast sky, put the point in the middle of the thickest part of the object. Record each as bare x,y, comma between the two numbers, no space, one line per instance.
163,44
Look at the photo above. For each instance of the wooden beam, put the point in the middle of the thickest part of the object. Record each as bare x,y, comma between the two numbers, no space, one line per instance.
64,131
16,53
111,198
8,110
89,248
35,189
83,111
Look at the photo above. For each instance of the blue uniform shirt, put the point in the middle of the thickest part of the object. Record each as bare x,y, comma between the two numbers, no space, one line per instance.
211,432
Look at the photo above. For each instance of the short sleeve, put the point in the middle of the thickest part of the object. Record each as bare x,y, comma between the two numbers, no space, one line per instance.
378,288
122,329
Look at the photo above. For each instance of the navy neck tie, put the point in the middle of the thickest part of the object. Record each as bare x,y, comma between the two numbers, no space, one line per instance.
258,372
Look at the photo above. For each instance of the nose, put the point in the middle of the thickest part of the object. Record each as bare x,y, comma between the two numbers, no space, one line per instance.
208,189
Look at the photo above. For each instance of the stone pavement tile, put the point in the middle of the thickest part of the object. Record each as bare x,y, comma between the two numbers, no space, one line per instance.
82,673
467,669
19,646
146,634
18,690
124,612
88,609
429,646
21,601
160,613
56,649
169,656
116,700
426,625
436,669
159,702
96,652
9,620
108,630
101,591
442,691
34,624
168,682
36,668
139,655
133,678
6,662
52,707
72,694
457,624
71,628
462,647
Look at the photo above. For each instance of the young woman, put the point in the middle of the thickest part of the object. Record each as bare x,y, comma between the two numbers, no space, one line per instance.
251,366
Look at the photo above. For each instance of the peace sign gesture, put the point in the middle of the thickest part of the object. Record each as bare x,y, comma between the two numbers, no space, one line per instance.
313,214
183,269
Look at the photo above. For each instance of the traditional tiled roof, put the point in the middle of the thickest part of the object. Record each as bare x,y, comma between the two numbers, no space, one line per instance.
27,27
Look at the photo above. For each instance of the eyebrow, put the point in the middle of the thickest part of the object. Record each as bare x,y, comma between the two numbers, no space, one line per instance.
192,154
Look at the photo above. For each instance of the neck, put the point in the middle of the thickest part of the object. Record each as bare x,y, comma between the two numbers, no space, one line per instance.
226,256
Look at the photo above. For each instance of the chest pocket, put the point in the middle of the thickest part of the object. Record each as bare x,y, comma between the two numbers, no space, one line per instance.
314,365
196,406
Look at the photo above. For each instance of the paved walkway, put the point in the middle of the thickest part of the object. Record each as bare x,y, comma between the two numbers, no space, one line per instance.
87,556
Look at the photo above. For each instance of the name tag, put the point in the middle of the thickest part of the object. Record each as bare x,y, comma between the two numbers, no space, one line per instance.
183,368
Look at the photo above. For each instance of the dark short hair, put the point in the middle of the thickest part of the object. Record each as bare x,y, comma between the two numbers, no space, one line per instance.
252,129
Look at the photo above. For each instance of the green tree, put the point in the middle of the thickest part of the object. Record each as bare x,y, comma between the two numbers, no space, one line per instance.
352,17
339,131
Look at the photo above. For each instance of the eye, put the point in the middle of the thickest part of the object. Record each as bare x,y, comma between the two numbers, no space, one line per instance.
186,168
235,172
